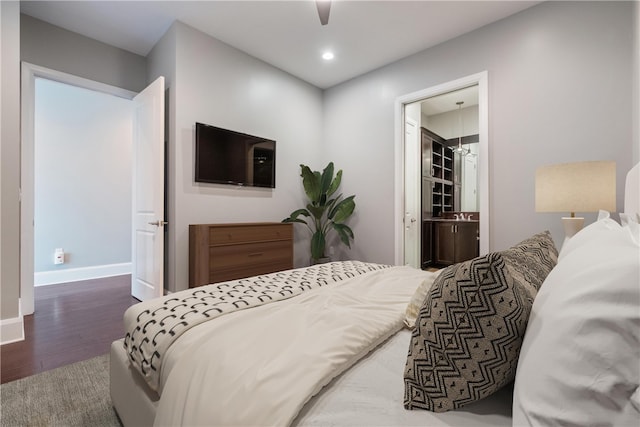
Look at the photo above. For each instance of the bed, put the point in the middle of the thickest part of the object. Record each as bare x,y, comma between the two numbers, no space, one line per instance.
332,344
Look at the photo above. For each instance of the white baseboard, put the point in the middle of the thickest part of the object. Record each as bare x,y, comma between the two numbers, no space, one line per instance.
12,330
84,273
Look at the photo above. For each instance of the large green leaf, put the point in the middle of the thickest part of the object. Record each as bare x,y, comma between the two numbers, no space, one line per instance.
316,211
335,183
344,232
301,221
311,183
327,177
332,202
342,210
317,245
295,214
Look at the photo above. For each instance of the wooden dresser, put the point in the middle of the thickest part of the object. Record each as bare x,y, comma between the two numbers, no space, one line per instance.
220,252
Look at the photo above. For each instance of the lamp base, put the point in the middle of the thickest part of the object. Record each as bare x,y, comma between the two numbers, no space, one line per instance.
571,226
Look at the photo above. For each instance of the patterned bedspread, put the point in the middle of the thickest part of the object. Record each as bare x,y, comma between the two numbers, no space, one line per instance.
152,326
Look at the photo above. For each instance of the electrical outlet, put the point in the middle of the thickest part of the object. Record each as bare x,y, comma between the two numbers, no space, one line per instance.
58,256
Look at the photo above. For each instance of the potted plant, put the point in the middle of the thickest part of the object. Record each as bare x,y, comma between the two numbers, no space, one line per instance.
324,212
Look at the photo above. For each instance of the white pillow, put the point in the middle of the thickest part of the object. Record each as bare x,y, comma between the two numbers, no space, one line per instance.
580,359
631,223
411,312
628,219
603,229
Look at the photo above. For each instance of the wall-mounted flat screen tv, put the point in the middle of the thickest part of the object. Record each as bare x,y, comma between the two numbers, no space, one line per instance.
227,157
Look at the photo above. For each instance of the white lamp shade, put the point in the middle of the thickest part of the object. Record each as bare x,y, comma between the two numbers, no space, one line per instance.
576,187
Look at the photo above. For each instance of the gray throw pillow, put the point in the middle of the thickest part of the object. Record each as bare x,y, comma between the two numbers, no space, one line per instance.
470,328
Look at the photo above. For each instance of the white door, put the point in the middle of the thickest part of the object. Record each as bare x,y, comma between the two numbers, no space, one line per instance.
147,275
413,181
470,184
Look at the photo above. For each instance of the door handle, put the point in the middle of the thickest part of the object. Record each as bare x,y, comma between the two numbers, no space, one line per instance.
158,223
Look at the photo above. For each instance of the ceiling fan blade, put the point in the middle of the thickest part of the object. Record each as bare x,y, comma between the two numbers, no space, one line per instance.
323,10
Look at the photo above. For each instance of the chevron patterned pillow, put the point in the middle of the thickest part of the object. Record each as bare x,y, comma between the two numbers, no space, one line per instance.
530,261
470,328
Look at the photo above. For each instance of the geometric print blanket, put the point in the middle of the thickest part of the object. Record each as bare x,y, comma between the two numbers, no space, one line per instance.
152,326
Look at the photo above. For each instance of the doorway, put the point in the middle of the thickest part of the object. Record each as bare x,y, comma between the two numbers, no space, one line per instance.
148,147
82,181
410,163
30,73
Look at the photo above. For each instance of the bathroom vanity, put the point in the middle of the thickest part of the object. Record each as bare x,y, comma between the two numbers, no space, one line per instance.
447,240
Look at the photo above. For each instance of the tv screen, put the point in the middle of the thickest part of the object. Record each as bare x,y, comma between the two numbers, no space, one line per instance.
228,157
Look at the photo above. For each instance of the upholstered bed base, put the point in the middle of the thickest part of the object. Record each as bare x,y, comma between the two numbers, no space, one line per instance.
373,390
133,400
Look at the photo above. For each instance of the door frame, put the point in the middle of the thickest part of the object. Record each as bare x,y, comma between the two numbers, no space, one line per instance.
27,165
481,79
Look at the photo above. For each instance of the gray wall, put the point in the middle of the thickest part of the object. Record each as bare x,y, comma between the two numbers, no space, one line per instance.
635,112
10,158
559,91
83,149
62,50
222,86
28,39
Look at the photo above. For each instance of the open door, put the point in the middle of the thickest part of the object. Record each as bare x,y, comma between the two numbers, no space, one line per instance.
412,222
147,275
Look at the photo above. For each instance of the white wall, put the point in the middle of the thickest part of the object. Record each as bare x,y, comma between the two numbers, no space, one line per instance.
559,91
83,142
222,86
10,160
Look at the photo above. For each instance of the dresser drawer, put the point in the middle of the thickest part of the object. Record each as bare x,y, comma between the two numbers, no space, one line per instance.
224,235
250,253
221,252
224,274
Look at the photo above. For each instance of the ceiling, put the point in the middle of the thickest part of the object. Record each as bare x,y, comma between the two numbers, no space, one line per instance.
364,35
447,101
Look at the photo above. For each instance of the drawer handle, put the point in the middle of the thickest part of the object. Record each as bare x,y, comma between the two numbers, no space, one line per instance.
256,254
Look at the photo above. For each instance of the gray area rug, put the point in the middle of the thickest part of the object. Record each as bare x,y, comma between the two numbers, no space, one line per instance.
73,395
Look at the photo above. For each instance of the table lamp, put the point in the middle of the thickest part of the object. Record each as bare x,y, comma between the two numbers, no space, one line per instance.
576,187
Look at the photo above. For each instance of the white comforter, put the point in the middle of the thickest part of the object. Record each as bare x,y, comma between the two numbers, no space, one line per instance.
153,326
259,366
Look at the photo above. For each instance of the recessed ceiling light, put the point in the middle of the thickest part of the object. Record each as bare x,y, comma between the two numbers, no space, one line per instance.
327,56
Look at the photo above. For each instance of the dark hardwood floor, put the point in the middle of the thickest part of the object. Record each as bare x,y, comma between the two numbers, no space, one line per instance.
72,322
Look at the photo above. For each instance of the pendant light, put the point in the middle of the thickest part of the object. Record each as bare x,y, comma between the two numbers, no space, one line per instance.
460,150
